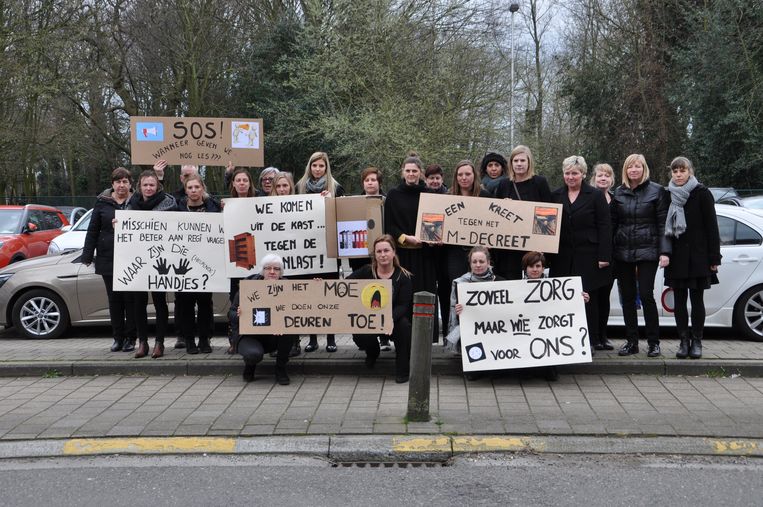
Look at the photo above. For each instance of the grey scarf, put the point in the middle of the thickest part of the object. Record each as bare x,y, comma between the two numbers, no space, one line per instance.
316,186
675,225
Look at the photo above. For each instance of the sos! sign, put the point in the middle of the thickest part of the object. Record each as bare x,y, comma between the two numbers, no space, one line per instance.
198,141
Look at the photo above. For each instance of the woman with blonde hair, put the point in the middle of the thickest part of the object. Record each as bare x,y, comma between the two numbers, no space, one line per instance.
639,210
603,178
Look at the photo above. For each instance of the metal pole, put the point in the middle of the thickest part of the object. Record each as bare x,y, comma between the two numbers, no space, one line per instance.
512,8
421,356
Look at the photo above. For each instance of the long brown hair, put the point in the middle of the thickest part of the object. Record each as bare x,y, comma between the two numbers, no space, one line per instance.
236,172
395,261
455,188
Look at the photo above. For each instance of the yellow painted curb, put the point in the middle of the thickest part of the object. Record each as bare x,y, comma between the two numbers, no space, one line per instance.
486,444
735,447
421,444
170,445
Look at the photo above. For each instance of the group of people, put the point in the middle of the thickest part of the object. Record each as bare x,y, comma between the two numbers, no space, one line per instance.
609,232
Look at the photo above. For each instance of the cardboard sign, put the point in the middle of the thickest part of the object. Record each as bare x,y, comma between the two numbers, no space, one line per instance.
169,251
523,323
292,226
315,306
495,223
200,141
353,224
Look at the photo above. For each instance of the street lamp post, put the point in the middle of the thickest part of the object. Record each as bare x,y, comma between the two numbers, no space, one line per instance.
512,8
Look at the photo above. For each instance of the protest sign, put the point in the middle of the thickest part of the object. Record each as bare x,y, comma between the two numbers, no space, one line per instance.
169,251
292,226
523,323
353,224
494,223
315,306
201,141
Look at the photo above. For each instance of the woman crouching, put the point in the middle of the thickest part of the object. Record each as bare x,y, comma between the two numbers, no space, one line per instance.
253,347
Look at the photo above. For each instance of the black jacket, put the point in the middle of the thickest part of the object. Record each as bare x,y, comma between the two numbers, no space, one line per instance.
534,189
401,209
638,221
699,247
210,205
100,233
584,238
235,335
402,290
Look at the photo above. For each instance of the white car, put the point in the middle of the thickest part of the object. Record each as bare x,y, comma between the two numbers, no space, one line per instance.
737,301
73,239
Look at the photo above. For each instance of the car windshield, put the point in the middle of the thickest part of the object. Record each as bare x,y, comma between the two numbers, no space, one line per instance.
83,223
9,220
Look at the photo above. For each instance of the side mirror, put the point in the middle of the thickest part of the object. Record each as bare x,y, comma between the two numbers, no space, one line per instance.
30,227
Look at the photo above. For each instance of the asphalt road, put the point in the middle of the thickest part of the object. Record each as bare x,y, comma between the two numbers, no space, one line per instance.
512,479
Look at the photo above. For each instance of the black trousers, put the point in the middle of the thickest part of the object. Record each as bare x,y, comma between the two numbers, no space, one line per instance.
121,311
141,315
681,312
186,304
254,347
603,309
401,336
628,275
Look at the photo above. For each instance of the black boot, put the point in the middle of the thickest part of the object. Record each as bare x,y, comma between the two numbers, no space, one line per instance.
629,348
281,377
190,345
117,345
695,352
204,345
683,347
128,345
313,345
248,371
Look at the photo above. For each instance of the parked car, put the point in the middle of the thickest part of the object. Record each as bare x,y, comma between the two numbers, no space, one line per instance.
45,296
72,213
723,193
753,202
73,239
26,231
737,301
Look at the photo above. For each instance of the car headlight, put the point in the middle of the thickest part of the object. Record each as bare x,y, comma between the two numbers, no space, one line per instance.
53,249
4,278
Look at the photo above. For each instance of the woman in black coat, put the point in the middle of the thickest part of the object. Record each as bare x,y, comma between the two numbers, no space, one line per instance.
585,244
638,220
150,197
386,266
603,179
196,200
100,240
524,185
696,252
400,213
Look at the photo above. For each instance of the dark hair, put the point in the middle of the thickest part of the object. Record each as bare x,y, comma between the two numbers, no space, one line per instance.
150,173
120,173
433,169
531,258
455,188
236,172
413,158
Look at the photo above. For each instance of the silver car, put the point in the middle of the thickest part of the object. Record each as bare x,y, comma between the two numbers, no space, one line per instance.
42,297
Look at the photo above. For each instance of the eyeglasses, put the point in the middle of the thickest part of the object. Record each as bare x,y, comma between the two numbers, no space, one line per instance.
269,180
271,268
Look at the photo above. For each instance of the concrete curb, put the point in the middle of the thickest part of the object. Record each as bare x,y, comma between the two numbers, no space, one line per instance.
318,366
382,448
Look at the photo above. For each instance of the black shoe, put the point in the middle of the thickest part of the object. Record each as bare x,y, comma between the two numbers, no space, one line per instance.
204,346
117,345
607,345
180,343
248,372
370,361
281,377
295,350
401,379
628,349
311,347
551,374
190,346
129,345
598,346
654,350
695,351
331,348
473,375
683,348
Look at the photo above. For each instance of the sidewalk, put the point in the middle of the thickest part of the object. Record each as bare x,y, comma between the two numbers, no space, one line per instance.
91,356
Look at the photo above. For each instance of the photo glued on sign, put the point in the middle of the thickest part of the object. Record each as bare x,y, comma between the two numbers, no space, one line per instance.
316,306
523,323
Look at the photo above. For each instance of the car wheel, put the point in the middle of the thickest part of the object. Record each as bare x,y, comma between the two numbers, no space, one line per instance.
16,259
40,313
748,314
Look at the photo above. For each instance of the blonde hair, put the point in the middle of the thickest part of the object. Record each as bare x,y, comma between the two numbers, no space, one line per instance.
603,168
331,183
530,163
575,162
283,176
197,177
629,161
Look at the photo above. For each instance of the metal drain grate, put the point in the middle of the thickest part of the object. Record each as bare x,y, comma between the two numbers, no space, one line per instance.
389,464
